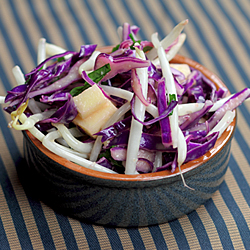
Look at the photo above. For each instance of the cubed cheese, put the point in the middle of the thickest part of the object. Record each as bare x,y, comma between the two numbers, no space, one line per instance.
89,101
94,110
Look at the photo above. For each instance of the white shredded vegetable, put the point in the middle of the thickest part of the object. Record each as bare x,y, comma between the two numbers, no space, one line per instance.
223,123
178,139
219,103
18,74
127,95
34,131
90,63
41,51
72,141
33,119
49,142
33,106
174,50
169,39
2,98
158,160
136,127
122,93
52,49
170,87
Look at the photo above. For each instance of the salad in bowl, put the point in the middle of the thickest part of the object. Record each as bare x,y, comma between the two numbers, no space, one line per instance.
121,110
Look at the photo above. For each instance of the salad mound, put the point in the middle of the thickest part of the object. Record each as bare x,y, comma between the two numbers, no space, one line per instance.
131,111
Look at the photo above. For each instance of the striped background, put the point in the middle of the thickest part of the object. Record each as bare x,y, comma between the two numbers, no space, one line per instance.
218,36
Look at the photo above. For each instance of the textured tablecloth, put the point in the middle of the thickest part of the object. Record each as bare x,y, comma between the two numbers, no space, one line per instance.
218,36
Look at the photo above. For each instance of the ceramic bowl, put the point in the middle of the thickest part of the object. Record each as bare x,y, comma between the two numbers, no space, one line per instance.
127,200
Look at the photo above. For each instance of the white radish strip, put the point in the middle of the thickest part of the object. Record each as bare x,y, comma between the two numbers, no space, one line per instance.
182,153
170,86
122,93
219,103
127,95
41,51
136,127
32,120
40,105
152,110
61,143
118,114
19,76
189,108
33,106
158,160
67,149
182,147
114,118
223,123
90,63
34,131
72,141
168,40
2,98
76,132
174,50
133,145
96,149
49,143
52,49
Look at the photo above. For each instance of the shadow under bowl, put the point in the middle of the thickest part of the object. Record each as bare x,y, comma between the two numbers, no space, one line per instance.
127,200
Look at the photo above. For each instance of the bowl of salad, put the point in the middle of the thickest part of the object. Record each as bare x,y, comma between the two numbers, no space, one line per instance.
128,135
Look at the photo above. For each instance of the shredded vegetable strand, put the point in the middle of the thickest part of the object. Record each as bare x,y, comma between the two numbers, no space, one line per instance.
33,119
90,63
33,106
158,160
182,155
170,87
127,95
41,52
178,138
49,142
34,131
72,141
2,99
174,50
122,93
136,127
166,42
223,123
16,114
219,103
189,108
52,49
18,74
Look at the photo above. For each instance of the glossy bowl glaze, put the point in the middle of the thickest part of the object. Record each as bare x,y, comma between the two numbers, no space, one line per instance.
127,200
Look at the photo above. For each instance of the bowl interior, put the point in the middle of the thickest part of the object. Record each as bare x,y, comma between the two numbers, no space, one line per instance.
223,140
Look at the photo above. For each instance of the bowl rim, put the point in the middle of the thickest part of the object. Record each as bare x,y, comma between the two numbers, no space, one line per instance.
222,141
